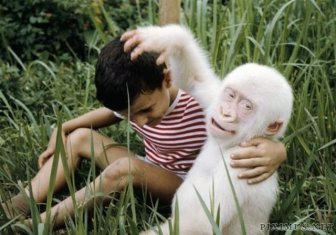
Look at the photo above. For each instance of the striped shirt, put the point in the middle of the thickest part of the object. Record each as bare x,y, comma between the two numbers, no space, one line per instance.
175,142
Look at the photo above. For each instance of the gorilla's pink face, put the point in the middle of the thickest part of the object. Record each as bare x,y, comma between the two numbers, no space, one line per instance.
231,114
255,100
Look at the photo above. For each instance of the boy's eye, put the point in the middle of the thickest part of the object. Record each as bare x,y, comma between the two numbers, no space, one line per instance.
146,110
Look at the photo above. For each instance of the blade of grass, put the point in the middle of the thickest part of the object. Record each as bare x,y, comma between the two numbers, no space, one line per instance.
234,193
215,227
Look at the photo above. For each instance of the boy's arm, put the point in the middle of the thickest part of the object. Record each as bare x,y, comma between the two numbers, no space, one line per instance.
262,157
95,119
186,61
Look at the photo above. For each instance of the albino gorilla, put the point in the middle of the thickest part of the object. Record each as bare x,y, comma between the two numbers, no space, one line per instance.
253,100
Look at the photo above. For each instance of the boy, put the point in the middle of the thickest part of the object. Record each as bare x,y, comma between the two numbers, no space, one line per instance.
170,121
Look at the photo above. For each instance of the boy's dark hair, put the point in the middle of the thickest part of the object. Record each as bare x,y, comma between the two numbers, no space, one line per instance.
116,72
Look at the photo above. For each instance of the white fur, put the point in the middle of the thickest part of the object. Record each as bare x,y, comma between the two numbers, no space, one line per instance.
191,71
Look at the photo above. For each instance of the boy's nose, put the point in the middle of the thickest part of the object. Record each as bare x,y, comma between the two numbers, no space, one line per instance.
140,121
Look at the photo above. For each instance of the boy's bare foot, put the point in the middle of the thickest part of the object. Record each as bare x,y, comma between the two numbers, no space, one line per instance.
22,227
15,206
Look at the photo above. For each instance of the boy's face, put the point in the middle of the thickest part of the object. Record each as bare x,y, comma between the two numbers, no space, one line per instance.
149,108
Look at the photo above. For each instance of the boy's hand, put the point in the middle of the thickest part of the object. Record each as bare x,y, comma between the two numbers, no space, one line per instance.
261,156
43,158
48,153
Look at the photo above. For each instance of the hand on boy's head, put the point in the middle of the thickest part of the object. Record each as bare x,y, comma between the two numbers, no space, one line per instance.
132,44
162,58
127,35
135,44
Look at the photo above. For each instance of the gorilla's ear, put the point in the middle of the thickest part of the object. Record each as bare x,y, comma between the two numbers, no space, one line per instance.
273,128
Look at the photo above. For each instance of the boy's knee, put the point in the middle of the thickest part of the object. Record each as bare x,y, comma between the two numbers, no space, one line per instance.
78,137
119,171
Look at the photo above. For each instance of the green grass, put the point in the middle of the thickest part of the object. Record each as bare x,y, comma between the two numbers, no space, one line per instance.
296,37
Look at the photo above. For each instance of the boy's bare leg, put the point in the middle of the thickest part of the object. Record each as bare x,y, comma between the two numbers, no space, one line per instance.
114,178
78,146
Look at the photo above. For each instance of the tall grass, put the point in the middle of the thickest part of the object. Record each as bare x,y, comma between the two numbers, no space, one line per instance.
297,37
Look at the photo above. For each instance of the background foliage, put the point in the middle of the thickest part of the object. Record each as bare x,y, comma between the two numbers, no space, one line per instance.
48,51
49,29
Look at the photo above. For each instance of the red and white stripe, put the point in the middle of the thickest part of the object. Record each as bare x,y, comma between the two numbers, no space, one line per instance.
175,142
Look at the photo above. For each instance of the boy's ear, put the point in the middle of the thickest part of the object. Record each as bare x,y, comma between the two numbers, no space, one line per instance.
273,128
167,78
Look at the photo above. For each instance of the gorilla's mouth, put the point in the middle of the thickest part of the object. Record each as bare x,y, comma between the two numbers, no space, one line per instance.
213,122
